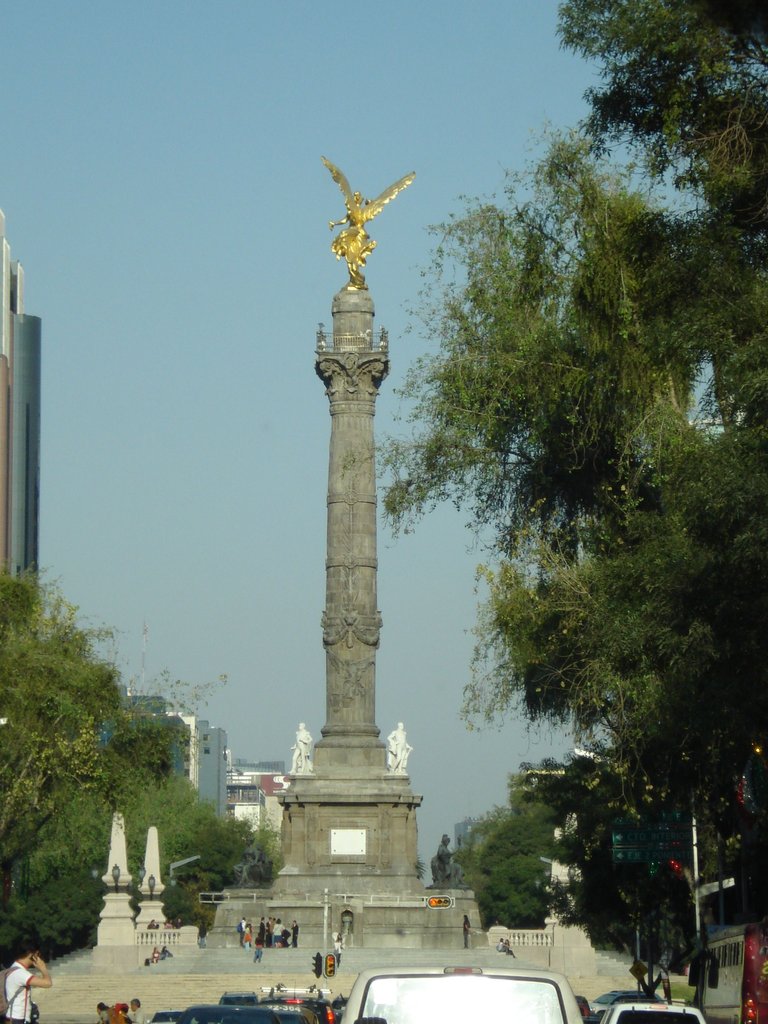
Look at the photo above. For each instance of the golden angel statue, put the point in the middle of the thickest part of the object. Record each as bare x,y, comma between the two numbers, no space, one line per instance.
354,243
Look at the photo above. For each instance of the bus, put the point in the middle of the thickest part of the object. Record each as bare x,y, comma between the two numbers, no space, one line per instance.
731,975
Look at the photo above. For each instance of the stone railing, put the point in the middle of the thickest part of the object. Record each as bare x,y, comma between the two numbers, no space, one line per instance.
212,897
525,938
555,946
158,937
170,937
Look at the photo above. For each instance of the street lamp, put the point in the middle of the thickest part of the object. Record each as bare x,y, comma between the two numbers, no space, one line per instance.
151,882
142,872
179,864
116,875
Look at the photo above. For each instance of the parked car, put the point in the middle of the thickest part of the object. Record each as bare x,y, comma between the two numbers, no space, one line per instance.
219,1013
239,999
290,1014
457,995
651,1013
165,1016
320,1007
624,995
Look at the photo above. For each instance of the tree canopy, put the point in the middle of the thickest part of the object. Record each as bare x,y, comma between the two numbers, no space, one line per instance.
502,861
598,403
687,82
64,727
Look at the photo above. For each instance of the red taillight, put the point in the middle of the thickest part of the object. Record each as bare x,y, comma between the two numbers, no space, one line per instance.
330,1016
749,1011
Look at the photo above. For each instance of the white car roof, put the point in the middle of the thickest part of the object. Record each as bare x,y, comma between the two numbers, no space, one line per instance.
558,981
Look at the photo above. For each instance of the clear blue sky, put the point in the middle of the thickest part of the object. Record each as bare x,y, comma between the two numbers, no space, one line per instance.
162,186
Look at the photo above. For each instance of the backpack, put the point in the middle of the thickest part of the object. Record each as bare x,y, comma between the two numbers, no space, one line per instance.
4,1000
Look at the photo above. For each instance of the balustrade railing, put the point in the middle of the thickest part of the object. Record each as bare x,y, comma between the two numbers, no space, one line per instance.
363,342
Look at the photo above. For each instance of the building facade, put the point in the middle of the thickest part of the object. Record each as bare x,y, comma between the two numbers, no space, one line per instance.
252,791
212,765
20,356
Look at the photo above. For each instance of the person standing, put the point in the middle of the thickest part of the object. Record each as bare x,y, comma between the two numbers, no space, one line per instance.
19,980
295,934
467,930
338,945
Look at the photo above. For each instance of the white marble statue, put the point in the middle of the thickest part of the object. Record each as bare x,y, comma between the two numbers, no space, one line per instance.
301,762
398,750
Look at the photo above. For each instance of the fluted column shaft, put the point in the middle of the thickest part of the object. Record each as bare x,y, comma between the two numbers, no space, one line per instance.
352,371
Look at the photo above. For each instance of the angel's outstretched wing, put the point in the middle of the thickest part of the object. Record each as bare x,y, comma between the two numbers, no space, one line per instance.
377,205
340,180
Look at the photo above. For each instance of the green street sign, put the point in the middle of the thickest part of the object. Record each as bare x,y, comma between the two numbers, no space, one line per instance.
651,837
648,855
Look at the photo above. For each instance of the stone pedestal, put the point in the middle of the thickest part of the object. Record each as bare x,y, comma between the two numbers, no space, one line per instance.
374,921
116,934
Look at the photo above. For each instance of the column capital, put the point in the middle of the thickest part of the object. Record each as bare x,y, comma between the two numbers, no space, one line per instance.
349,375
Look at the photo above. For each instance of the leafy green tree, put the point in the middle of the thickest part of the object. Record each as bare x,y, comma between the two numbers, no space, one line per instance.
575,326
59,915
612,902
59,893
65,730
186,827
501,862
687,82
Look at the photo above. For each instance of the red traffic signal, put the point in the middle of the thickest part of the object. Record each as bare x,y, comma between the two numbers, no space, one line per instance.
440,902
330,965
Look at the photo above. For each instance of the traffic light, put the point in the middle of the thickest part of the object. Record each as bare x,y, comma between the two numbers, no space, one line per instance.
440,902
330,965
317,964
675,867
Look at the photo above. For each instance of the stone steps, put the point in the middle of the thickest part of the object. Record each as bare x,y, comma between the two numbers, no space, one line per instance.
611,963
194,975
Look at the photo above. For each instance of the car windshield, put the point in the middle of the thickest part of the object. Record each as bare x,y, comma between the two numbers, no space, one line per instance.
655,1016
458,998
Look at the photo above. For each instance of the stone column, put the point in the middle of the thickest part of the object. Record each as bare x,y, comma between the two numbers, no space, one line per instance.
151,907
352,368
116,933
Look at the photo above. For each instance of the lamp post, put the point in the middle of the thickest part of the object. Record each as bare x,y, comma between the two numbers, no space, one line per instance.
116,875
151,882
179,864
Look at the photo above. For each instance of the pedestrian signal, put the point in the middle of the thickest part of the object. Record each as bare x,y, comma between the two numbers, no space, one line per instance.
317,964
440,902
330,965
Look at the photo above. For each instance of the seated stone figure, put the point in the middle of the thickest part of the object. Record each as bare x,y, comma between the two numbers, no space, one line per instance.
254,869
446,872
